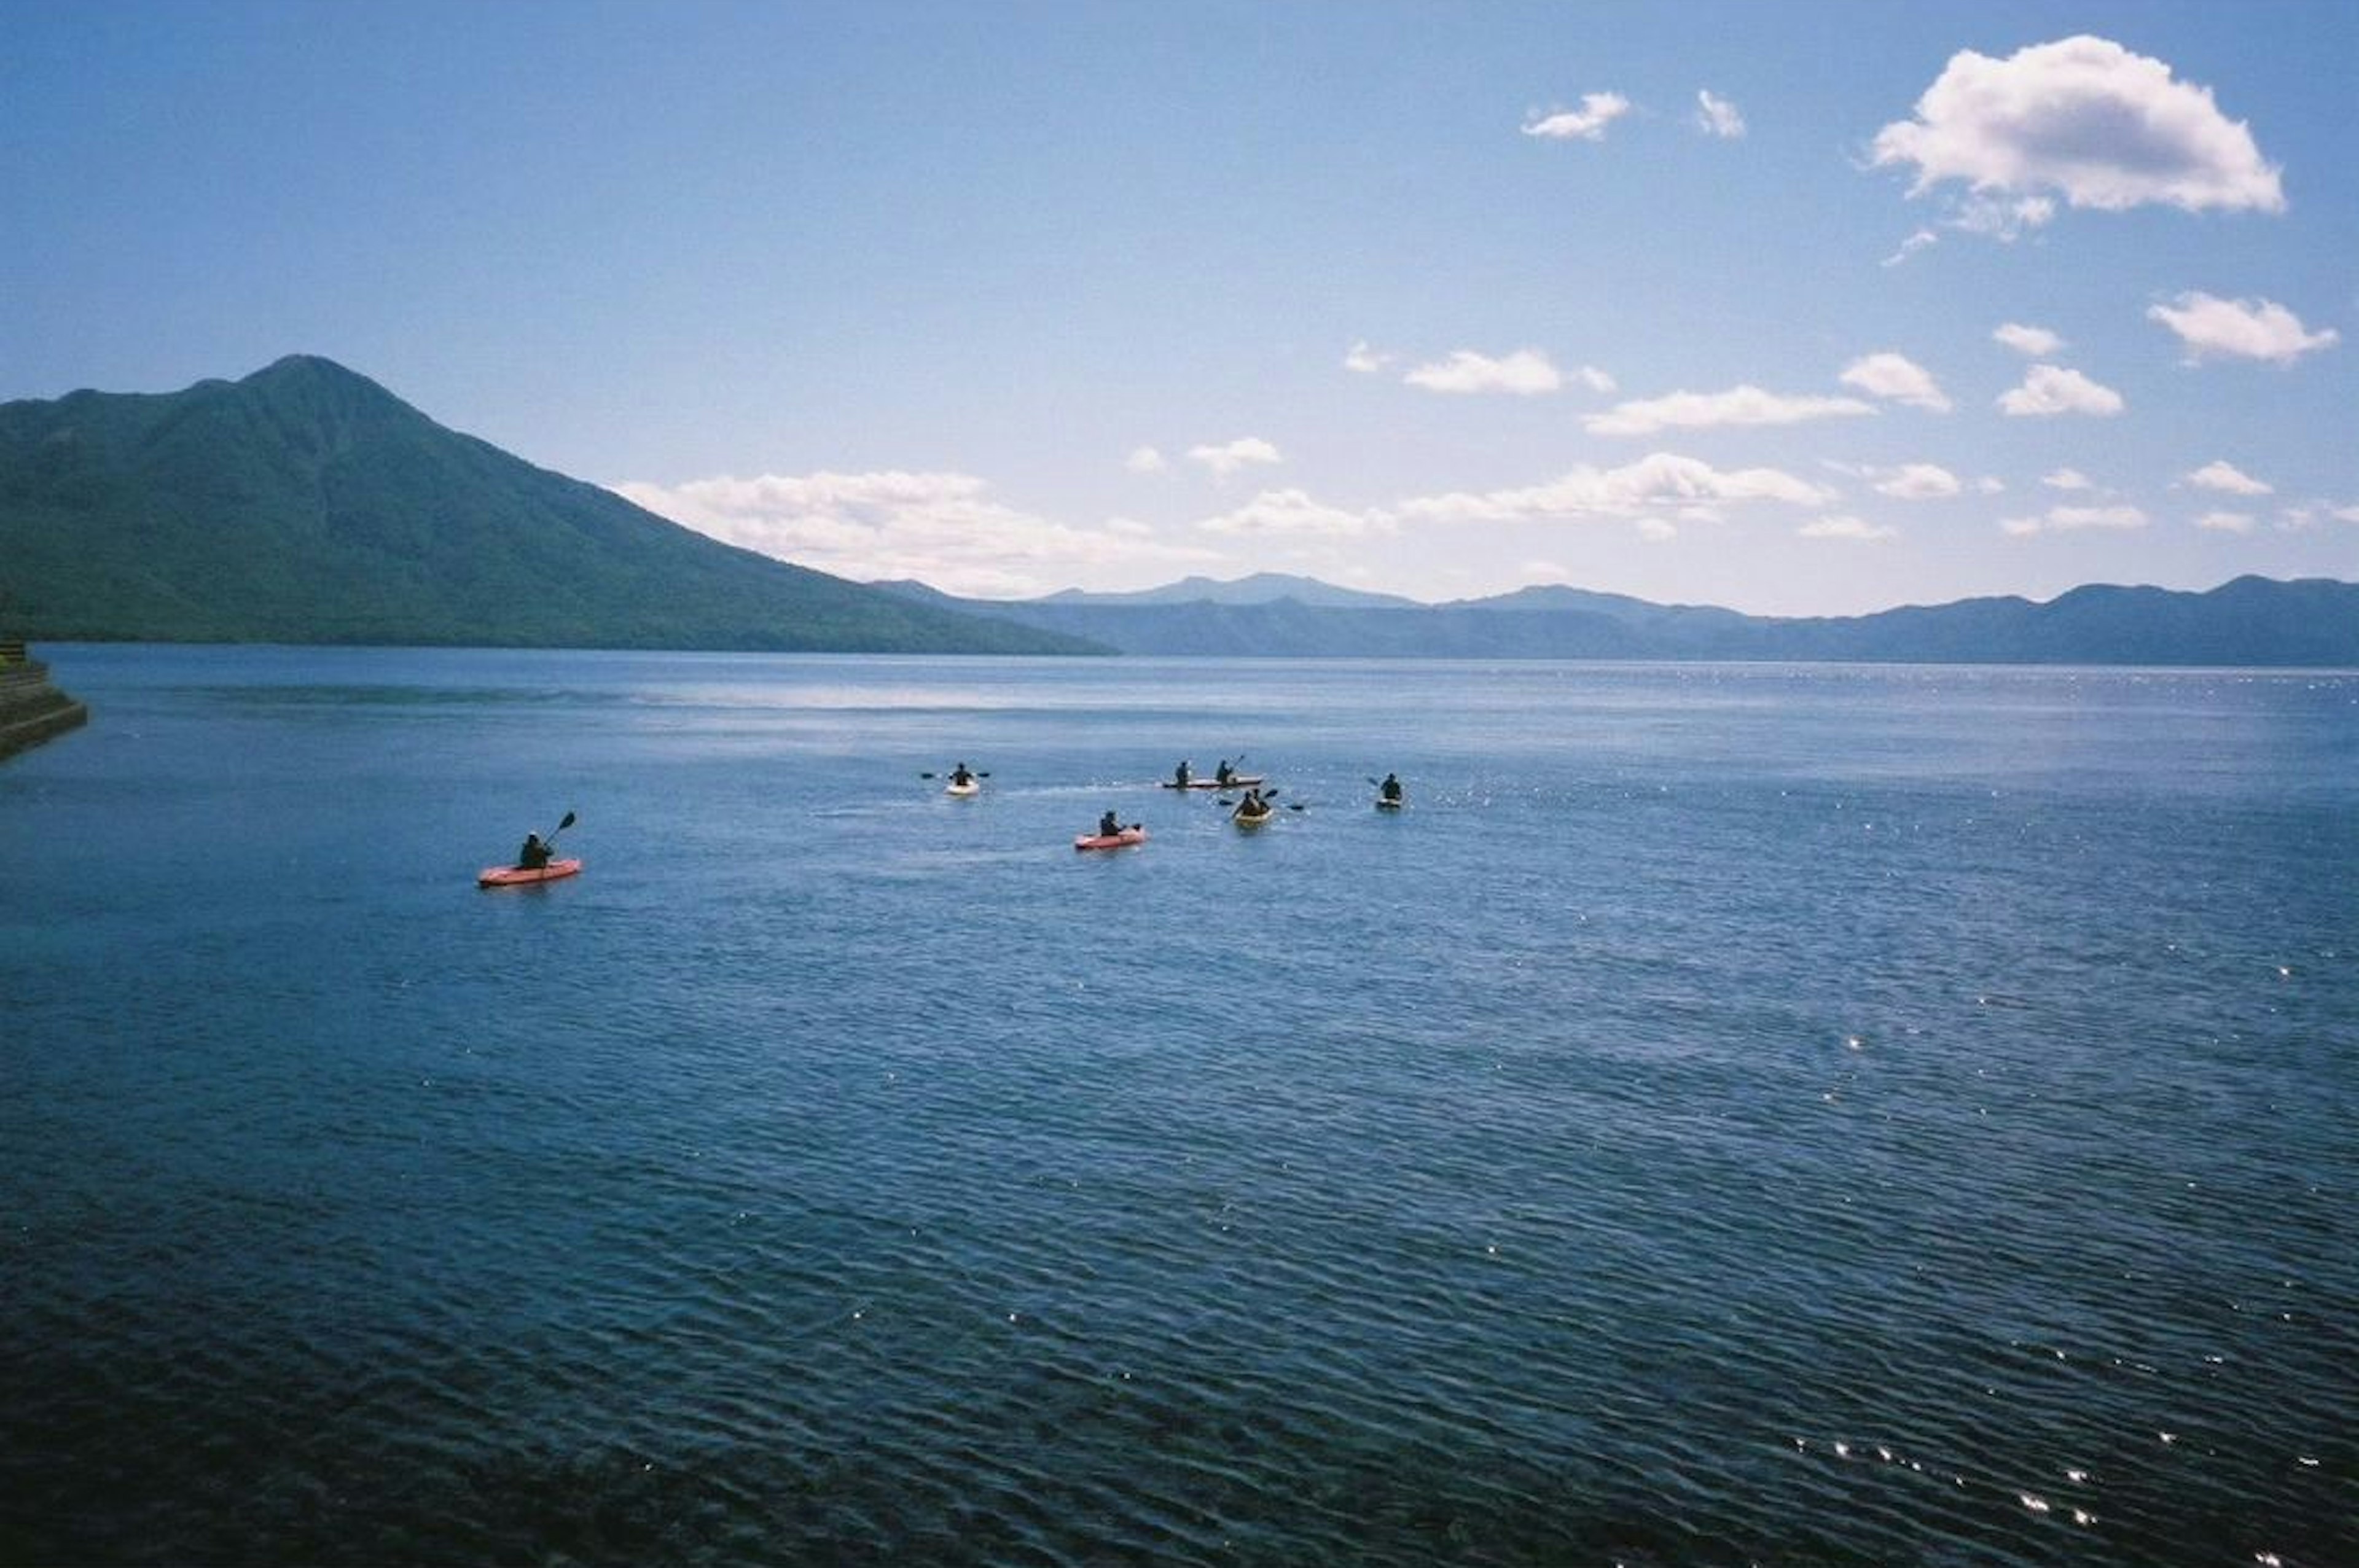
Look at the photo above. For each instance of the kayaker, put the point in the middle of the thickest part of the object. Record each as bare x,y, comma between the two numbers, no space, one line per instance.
1180,775
960,776
1224,775
1109,825
1252,805
535,854
1390,789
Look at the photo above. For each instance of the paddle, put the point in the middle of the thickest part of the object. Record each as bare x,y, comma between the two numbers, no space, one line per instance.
978,773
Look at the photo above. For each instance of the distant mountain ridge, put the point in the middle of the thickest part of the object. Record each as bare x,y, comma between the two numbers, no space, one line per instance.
1261,588
2252,621
304,504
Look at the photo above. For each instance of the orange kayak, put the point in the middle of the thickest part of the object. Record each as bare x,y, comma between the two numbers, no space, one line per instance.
517,876
1131,835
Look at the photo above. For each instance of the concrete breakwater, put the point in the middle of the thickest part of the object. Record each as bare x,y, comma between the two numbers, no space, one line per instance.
31,709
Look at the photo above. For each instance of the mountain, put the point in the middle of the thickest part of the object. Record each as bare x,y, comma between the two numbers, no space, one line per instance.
304,504
1262,588
2249,621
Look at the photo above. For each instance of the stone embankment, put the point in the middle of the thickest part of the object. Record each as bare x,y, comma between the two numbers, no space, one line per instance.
31,709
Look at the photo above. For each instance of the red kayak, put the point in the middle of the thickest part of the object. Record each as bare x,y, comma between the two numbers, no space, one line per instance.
1131,835
518,876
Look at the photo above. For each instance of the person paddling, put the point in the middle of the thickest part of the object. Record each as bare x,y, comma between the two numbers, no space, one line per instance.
1109,825
535,854
1390,790
961,776
1224,775
1181,776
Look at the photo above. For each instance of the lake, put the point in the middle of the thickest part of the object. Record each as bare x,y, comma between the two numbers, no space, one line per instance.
1735,1114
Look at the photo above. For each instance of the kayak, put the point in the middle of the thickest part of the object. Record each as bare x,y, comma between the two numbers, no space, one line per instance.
1395,804
972,786
1253,819
517,876
1131,835
1237,781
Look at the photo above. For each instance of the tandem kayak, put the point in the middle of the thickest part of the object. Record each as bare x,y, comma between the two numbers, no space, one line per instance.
1236,780
517,876
1252,818
1132,835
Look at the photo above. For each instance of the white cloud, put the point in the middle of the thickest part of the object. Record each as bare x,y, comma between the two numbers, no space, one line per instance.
2343,514
1597,111
2051,389
1525,372
1917,481
2083,119
1145,459
1910,247
1230,455
942,528
1689,488
2068,479
2227,478
1594,378
2244,328
2031,342
1990,484
1897,378
1738,405
1853,528
2226,522
2000,217
1294,511
2075,519
1717,116
2068,517
1365,359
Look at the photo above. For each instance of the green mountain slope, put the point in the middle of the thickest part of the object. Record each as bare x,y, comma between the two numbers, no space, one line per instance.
307,505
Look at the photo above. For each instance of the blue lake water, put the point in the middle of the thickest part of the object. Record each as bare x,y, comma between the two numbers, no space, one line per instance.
1736,1114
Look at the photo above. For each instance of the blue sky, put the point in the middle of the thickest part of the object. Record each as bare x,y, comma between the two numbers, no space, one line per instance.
1807,308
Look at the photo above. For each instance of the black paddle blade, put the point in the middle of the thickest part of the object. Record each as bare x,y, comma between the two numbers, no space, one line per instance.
567,823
